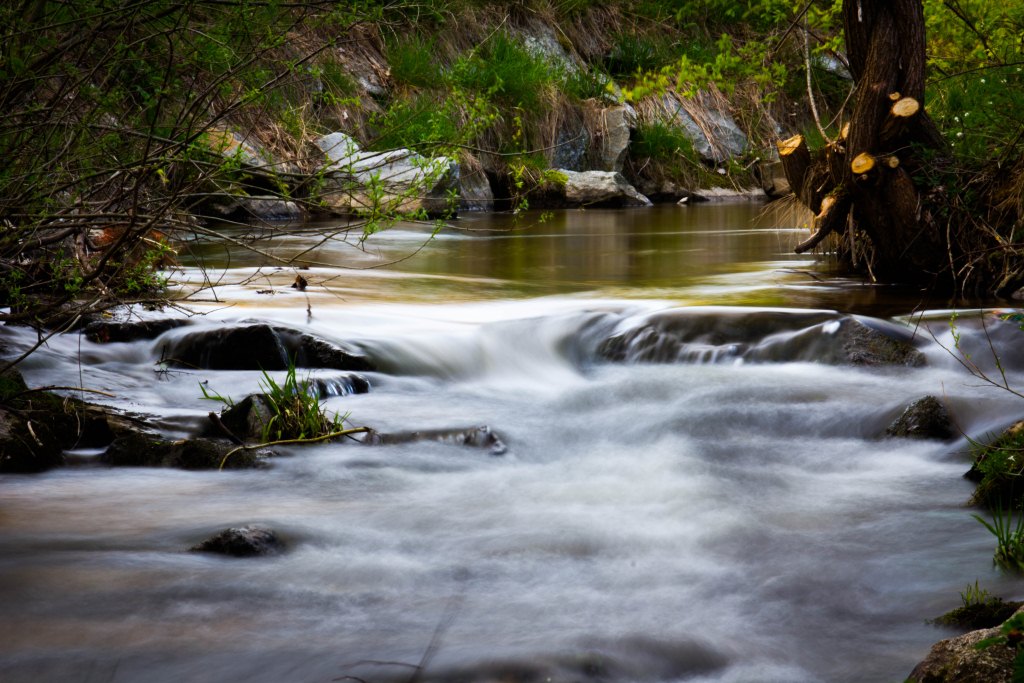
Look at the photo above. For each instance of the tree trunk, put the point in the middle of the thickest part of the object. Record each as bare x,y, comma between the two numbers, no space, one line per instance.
868,171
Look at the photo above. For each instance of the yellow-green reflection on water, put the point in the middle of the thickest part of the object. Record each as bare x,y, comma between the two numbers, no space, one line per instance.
738,253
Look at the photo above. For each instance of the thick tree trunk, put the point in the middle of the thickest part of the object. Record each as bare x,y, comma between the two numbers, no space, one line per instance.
864,179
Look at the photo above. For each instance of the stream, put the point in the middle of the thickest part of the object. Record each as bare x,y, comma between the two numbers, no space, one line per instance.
729,512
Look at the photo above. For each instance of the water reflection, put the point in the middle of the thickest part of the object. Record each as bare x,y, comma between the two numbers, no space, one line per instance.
737,253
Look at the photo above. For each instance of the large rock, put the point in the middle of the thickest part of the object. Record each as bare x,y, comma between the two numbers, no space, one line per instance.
571,143
611,140
712,334
716,137
601,189
251,540
925,418
395,181
37,427
958,660
109,331
475,193
258,347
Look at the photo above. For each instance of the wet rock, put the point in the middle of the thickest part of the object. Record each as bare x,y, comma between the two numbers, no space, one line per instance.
253,347
703,334
710,334
476,437
245,420
252,540
876,344
601,189
925,418
958,660
146,449
342,385
978,615
398,180
258,347
104,332
313,352
37,427
27,445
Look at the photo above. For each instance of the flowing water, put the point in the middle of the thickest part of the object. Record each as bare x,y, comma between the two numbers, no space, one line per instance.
730,516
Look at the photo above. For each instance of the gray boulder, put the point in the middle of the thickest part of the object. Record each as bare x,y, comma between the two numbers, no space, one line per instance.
716,138
611,141
601,188
475,193
395,181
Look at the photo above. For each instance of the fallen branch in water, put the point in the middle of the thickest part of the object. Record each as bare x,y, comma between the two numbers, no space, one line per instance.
283,442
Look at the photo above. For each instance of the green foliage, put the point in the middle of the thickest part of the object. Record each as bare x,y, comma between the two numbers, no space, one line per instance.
976,64
1009,533
979,609
634,52
661,142
422,120
583,84
413,62
506,71
297,413
1000,468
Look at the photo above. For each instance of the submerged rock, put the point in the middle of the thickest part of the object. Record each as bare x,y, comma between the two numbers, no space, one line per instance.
252,540
925,418
476,437
958,660
258,347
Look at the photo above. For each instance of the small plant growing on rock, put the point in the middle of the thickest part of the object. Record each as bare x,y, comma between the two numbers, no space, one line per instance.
296,411
980,609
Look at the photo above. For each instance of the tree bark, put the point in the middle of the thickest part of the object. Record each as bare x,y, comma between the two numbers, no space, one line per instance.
868,172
